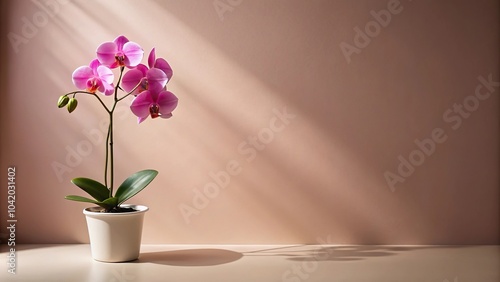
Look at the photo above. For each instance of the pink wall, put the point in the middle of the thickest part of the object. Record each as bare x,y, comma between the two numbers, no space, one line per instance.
357,103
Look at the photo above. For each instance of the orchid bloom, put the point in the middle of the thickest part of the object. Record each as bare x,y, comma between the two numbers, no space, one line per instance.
159,72
94,77
155,103
141,78
121,52
147,84
159,63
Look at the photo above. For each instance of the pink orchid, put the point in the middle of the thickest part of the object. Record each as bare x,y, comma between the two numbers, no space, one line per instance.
147,79
121,52
147,84
154,103
159,63
158,74
94,77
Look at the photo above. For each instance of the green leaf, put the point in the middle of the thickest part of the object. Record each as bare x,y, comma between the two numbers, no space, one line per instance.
109,203
80,199
95,189
134,184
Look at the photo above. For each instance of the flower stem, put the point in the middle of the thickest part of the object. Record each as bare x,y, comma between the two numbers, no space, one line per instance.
106,161
109,141
129,93
117,87
111,153
89,93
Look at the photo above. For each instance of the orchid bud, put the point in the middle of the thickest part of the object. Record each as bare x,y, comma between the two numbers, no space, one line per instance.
63,100
72,103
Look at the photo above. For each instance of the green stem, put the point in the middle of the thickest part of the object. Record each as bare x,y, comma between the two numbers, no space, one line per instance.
89,93
130,93
110,136
106,161
79,92
111,153
117,87
102,103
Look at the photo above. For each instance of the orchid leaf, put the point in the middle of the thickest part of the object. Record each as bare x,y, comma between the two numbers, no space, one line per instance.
95,189
80,199
134,184
109,202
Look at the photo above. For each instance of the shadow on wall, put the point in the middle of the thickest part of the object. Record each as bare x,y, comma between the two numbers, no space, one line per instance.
4,123
369,110
324,173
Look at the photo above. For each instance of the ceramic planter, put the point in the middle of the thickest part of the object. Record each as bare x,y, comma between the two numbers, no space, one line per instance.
115,237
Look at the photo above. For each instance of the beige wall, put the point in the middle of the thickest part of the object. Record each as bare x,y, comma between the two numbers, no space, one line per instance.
320,175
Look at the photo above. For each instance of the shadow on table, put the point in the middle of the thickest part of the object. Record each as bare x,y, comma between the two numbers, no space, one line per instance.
191,257
347,253
339,253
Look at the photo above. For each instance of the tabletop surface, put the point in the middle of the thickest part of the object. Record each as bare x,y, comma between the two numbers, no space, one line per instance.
287,263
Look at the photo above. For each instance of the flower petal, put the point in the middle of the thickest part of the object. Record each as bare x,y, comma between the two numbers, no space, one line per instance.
108,88
81,75
120,41
167,102
164,66
105,74
133,54
106,53
166,116
131,79
140,104
94,84
141,119
94,64
114,65
142,68
151,58
156,80
98,85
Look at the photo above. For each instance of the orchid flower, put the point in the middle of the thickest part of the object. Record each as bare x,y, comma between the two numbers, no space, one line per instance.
159,63
155,103
147,84
94,77
121,52
141,78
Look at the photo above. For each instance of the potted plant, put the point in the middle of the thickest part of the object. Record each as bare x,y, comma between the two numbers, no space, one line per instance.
115,228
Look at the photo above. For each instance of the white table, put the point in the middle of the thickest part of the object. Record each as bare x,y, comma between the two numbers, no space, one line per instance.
293,263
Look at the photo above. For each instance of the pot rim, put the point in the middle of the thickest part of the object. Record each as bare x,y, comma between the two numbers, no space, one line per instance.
138,209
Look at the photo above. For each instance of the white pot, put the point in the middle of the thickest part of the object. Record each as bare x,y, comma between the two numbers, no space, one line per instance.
115,237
